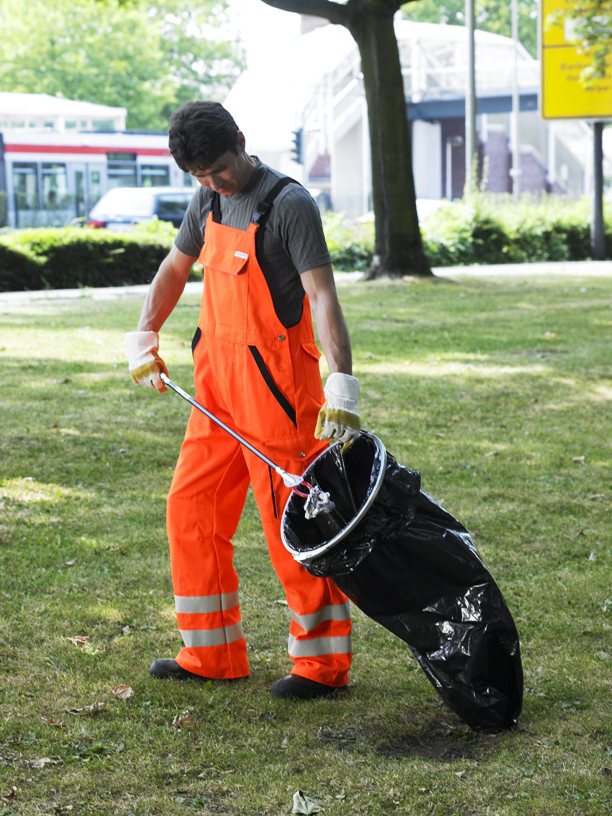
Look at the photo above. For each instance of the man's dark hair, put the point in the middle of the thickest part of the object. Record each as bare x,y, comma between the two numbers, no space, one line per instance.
199,133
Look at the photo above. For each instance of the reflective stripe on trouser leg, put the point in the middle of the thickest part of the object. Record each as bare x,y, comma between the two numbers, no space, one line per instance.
204,506
323,632
199,611
321,653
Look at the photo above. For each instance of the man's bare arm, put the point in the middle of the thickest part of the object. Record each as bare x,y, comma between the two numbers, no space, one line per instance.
333,334
166,288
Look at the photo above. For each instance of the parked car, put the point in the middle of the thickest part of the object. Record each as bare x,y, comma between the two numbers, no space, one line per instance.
123,207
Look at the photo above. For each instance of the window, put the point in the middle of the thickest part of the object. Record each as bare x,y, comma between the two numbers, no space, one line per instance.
154,175
172,205
25,183
103,124
95,185
122,170
54,186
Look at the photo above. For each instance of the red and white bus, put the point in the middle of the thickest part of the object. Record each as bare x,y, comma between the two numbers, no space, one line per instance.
54,179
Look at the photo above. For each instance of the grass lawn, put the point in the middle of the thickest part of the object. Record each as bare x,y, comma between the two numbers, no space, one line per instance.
497,389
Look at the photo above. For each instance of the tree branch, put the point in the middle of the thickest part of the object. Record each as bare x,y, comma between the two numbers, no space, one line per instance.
334,12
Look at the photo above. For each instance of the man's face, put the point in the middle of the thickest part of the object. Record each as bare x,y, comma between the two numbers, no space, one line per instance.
224,176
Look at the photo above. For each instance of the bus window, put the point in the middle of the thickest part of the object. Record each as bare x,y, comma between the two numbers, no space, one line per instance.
54,186
25,184
95,185
121,170
154,175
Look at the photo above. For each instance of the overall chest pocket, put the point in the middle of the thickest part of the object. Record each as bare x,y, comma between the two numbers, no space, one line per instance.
224,307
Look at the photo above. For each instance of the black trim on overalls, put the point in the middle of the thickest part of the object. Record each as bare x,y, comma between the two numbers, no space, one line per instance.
260,217
215,207
274,389
195,339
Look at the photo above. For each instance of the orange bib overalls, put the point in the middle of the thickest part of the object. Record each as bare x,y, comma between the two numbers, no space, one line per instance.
263,380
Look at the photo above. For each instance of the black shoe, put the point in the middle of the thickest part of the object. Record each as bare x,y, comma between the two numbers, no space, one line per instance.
166,668
300,688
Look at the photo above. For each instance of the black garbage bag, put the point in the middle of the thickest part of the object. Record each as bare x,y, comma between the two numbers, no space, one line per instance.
413,568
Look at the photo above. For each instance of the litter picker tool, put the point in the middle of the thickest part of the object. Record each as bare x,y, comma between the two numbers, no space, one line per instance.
317,500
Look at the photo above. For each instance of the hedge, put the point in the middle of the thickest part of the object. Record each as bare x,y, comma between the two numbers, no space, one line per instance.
71,257
496,230
19,270
488,230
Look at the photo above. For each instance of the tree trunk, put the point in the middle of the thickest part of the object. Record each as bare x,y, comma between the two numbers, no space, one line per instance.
398,244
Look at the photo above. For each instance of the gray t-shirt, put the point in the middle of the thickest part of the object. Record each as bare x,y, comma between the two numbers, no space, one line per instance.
293,240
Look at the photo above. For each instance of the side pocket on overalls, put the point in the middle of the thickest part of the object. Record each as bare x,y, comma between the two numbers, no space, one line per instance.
195,340
312,373
278,395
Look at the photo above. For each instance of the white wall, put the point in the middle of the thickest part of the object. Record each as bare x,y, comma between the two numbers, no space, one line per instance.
427,163
348,184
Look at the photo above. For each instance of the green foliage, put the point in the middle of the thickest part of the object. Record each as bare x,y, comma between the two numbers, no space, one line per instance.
488,230
134,55
18,270
71,257
163,231
351,245
491,15
482,232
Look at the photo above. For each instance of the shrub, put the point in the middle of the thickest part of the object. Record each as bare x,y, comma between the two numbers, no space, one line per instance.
489,229
73,257
494,229
18,270
351,244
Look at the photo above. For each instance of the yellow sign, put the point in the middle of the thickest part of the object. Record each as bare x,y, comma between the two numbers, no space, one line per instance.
565,94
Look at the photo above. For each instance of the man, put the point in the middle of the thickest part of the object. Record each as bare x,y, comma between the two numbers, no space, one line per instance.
259,237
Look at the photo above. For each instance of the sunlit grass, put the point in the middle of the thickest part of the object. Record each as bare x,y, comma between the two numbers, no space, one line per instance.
497,389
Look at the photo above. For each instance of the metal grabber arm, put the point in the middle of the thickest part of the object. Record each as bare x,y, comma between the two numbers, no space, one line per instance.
290,480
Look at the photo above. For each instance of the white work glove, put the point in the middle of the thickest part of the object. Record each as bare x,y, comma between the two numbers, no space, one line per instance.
339,417
144,362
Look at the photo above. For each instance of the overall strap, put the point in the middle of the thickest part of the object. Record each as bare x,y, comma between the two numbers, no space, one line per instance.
262,210
215,207
259,219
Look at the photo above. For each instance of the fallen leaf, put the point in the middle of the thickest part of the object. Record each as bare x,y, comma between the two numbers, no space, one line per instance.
304,804
94,708
43,762
12,794
53,722
123,692
79,640
184,719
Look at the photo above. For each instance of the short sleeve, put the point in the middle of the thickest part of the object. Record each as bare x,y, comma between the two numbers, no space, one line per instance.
190,237
295,220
